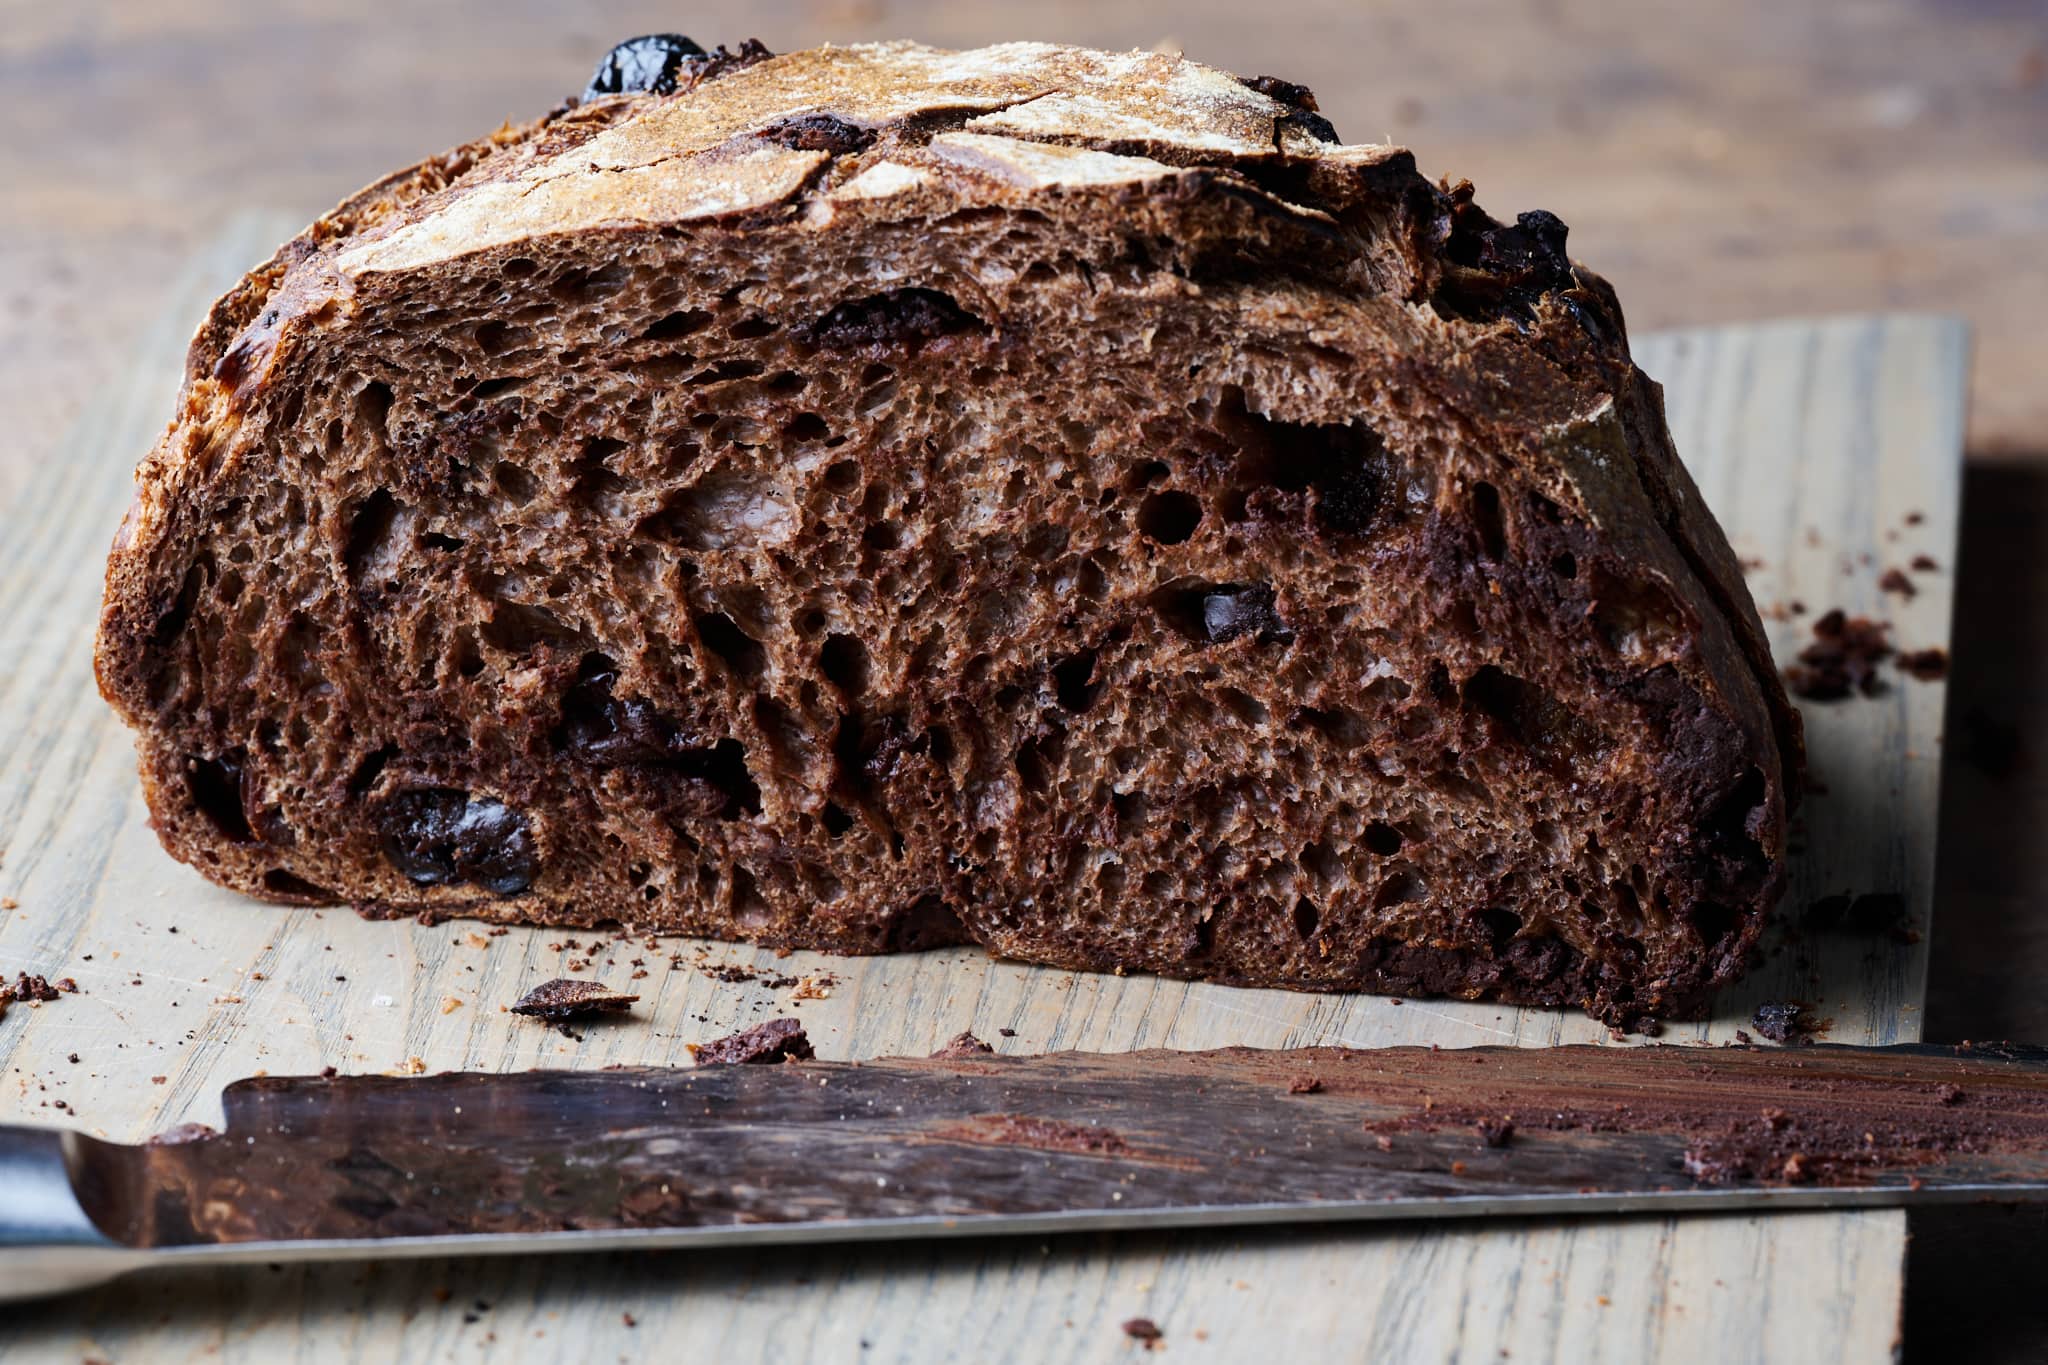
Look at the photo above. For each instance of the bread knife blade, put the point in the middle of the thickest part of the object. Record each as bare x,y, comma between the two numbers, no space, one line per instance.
359,1167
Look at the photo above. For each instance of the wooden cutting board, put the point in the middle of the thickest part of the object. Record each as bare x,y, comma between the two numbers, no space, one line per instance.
1831,450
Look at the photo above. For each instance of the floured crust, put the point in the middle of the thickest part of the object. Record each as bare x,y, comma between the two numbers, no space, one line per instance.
1348,244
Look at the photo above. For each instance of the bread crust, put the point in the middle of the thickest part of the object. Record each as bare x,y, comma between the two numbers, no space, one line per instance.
1340,245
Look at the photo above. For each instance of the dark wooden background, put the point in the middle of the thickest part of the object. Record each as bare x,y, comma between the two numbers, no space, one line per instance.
1718,161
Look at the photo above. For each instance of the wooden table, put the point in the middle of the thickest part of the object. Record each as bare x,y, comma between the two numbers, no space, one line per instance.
1756,159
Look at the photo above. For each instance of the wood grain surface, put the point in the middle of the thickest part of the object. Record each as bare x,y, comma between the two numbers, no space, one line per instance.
1818,444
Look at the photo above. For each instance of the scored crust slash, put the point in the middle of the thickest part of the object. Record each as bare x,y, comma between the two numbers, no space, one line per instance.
877,498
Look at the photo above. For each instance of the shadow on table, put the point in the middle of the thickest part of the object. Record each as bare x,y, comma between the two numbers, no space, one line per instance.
1976,1279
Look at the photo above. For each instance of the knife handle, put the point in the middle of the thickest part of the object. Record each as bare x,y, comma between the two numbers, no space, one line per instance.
49,1244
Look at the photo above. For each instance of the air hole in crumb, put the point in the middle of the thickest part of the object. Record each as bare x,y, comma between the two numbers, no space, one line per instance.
1381,838
370,769
1249,710
836,820
1732,825
1501,926
514,482
1713,922
1038,758
909,317
844,661
1131,809
1626,903
806,426
1320,861
592,481
1565,565
496,338
1169,517
373,406
1143,474
749,906
215,786
1072,683
677,324
1399,889
589,286
1342,728
466,654
740,651
1529,715
369,532
882,535
523,628
285,884
1486,518
750,328
843,476
1306,918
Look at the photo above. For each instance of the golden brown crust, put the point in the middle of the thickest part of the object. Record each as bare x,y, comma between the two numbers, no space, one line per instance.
1325,280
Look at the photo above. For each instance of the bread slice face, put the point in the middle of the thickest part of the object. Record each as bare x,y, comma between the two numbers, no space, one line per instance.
883,497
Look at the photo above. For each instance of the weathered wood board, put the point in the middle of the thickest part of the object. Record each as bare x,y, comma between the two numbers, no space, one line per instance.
1817,443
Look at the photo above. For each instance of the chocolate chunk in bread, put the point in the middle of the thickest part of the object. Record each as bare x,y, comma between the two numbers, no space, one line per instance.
882,498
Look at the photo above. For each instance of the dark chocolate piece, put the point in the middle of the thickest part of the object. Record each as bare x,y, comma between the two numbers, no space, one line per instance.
438,835
648,64
567,998
1231,612
663,63
1782,1021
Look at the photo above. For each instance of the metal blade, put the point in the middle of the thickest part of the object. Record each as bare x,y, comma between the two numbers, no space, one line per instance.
535,1161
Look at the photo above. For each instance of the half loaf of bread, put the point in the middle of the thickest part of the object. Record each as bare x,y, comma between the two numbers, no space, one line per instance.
881,497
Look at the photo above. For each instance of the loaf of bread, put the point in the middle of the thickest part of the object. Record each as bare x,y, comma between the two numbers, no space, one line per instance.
880,497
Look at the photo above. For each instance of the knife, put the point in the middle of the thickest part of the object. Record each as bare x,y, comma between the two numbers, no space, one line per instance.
315,1168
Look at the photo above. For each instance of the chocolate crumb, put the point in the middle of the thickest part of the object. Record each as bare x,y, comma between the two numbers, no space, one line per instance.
1145,1330
1949,1094
1497,1132
35,988
1783,1021
1925,564
963,1045
1305,1085
561,1000
1928,665
1895,581
777,1040
1842,659
1007,1032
